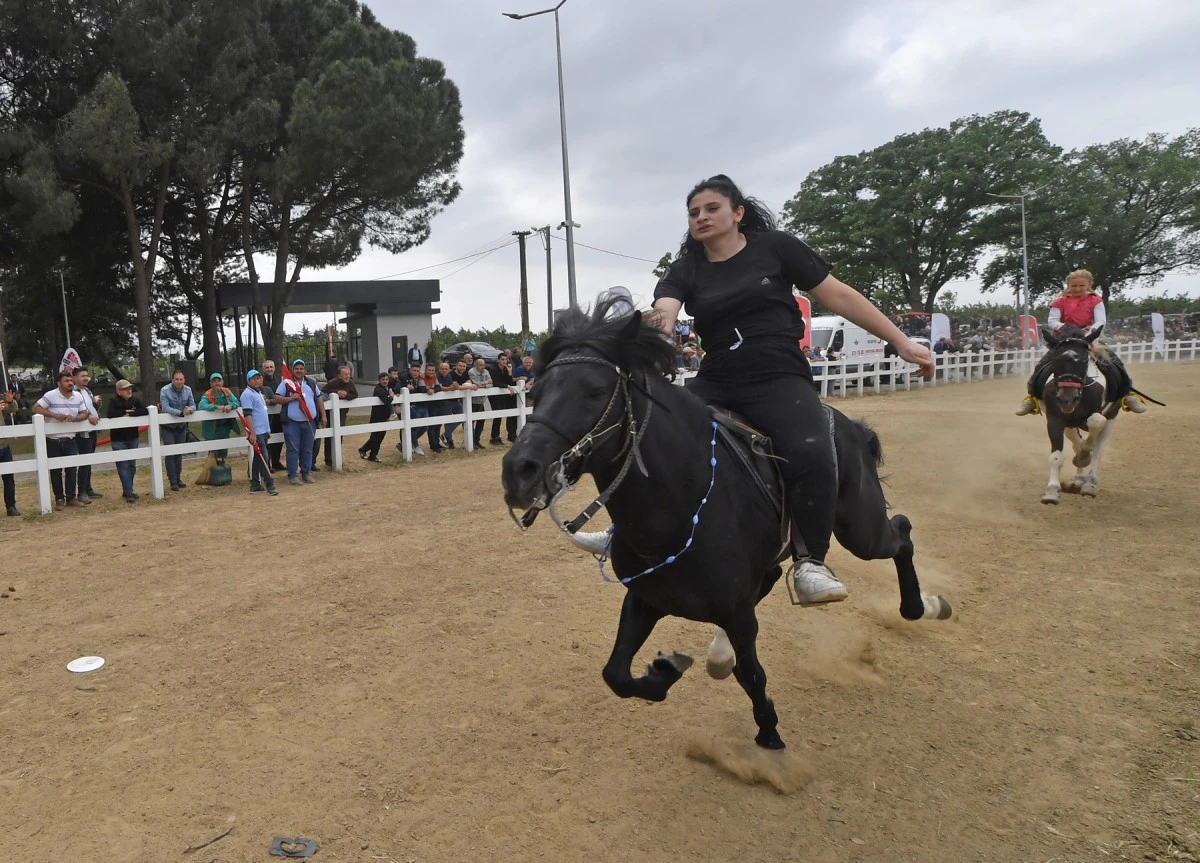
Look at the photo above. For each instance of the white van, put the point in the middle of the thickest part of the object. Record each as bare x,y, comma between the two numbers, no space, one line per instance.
849,342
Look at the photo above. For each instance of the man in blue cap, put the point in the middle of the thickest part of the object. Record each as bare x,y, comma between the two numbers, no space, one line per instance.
258,429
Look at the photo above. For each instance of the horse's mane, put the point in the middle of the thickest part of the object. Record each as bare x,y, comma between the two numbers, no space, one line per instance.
627,340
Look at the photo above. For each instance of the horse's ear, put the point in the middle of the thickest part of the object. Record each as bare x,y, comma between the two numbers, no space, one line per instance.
1095,334
631,329
1048,336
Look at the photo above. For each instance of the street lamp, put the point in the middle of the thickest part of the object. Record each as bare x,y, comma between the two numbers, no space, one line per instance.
1024,257
62,283
568,223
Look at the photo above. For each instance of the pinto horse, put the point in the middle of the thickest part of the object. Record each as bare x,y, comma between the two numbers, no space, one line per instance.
1077,404
694,535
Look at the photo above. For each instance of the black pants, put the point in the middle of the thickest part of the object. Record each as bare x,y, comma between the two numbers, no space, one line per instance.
10,483
510,423
787,408
87,446
276,449
374,442
1116,377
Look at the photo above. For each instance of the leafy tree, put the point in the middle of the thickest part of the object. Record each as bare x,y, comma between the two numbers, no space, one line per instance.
363,141
664,264
1124,210
903,220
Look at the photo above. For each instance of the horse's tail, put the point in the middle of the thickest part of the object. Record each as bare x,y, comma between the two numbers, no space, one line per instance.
874,445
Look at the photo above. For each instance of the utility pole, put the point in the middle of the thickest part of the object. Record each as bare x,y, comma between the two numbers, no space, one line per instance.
1024,258
545,232
521,235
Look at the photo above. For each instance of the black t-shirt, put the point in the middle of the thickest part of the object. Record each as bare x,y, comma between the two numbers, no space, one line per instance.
748,298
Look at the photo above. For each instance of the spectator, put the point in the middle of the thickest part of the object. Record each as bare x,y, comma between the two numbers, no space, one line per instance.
530,345
343,385
269,384
691,360
10,483
63,405
414,383
379,413
87,440
331,367
125,404
481,378
415,355
305,412
502,377
430,355
436,409
176,399
218,399
16,408
530,375
448,383
258,430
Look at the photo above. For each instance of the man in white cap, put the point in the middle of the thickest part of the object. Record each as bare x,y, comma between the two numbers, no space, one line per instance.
125,404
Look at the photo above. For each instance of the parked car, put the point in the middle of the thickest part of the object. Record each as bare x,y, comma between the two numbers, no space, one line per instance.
455,352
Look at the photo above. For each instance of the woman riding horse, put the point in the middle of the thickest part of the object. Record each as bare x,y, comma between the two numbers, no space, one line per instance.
1081,306
735,272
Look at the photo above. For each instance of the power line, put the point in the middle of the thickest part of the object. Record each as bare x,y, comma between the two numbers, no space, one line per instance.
478,259
480,250
606,251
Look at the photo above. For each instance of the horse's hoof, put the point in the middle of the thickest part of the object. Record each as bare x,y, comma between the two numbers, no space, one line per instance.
1089,490
936,607
1073,487
1050,497
719,669
1083,459
769,740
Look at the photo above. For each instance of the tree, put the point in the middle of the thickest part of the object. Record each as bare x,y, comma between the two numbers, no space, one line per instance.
364,144
104,133
664,264
904,219
1125,211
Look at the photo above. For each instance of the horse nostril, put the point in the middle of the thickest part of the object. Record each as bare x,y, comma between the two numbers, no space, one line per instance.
528,470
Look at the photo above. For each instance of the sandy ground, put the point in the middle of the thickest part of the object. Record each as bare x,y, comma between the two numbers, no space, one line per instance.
383,663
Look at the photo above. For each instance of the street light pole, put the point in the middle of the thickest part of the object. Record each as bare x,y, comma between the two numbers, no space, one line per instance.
1024,257
62,283
569,222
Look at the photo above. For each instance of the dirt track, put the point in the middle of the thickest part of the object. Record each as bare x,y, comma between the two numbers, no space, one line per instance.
408,678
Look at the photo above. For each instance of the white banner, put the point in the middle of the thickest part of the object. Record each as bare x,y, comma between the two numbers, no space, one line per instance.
70,360
1160,333
939,328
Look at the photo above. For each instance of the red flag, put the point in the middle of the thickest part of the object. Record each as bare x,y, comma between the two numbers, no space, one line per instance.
294,388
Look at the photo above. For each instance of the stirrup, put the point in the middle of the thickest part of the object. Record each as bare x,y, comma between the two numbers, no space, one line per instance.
1033,411
1138,400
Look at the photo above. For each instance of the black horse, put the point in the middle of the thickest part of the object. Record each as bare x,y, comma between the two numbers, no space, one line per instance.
1077,403
693,535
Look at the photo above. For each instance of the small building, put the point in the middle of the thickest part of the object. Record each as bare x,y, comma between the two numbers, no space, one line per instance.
382,318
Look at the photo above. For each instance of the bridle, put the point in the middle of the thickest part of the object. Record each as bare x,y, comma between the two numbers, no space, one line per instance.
556,480
1072,381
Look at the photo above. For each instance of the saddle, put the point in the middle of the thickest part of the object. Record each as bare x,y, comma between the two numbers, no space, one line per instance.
757,457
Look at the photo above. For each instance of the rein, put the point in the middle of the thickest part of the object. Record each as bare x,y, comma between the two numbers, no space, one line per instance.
556,473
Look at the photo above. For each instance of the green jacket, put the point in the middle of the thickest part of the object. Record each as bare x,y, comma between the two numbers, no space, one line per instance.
222,428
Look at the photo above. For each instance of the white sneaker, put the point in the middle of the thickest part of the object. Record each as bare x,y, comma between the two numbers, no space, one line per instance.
1134,404
815,583
418,451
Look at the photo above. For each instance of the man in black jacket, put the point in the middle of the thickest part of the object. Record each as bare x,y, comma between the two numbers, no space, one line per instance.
379,413
269,385
125,404
502,377
344,386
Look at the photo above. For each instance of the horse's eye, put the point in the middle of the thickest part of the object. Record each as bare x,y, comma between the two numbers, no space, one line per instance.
594,394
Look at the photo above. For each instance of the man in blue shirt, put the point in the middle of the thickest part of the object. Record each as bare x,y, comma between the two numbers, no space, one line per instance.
177,400
305,408
259,422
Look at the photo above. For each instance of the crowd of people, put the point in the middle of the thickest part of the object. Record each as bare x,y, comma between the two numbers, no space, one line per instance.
303,411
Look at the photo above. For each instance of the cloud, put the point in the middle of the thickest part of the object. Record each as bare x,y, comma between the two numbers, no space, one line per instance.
662,94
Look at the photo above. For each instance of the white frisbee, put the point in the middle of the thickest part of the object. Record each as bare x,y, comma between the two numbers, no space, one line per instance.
85,663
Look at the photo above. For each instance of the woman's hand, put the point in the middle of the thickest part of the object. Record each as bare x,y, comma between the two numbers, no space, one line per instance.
918,355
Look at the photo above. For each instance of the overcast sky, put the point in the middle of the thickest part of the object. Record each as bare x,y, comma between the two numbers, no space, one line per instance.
662,93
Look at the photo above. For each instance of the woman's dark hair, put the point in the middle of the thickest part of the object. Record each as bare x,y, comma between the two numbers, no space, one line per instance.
757,217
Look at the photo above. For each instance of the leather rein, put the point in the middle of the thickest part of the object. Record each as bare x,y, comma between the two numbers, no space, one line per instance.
556,473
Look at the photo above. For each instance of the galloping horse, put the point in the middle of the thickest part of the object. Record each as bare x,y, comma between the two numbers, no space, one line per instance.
694,534
1076,401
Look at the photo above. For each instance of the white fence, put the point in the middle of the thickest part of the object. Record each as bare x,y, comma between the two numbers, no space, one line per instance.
833,379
